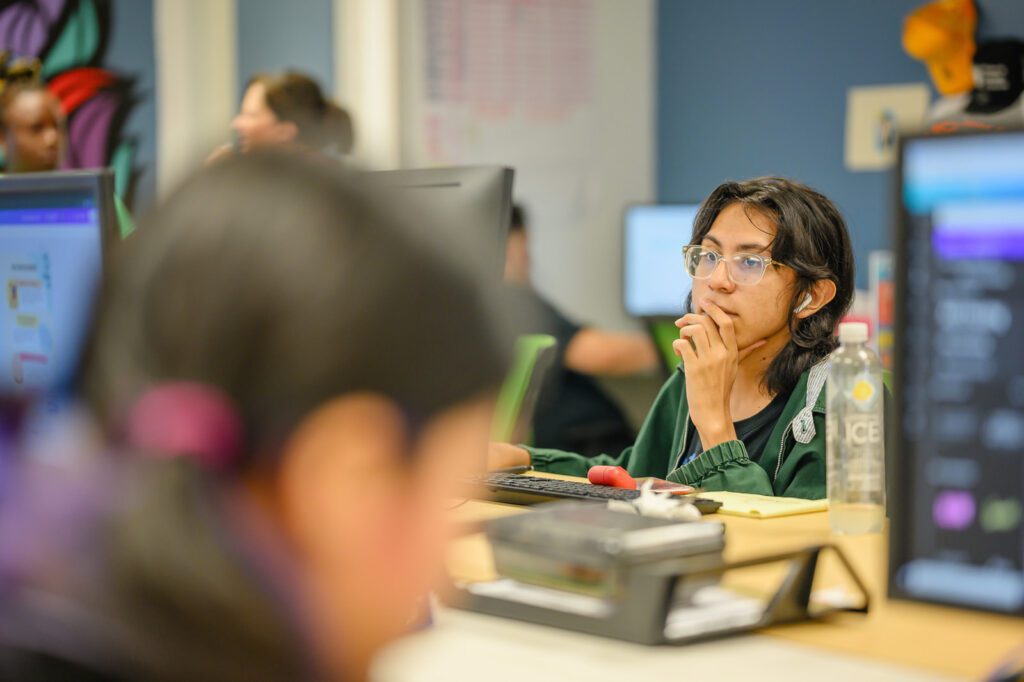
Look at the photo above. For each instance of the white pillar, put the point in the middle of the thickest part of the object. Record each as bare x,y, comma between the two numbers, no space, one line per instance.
196,65
366,50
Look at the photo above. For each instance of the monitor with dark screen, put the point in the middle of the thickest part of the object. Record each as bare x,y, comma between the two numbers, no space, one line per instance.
472,203
957,441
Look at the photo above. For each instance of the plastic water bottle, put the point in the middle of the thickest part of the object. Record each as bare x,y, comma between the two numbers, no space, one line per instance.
854,434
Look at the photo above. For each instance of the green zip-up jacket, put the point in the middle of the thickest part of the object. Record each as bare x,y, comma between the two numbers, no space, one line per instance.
792,464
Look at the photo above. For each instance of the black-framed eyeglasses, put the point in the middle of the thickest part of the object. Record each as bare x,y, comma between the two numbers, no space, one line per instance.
742,268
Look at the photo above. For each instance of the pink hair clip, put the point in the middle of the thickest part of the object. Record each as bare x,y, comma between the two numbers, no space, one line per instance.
187,418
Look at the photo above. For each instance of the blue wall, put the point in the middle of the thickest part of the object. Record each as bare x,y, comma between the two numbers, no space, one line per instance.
131,52
1000,18
755,88
274,35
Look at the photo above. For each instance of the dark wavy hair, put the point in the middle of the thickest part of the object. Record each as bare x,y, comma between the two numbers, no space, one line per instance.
812,240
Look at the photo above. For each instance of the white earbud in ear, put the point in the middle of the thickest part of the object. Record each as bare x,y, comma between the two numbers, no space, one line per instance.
803,304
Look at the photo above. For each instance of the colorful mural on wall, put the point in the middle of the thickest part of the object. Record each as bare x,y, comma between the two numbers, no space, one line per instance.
69,38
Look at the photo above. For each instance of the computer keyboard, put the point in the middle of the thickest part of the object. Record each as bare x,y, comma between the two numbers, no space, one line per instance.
520,489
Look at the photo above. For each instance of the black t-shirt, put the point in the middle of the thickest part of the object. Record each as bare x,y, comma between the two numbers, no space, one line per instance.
573,413
753,431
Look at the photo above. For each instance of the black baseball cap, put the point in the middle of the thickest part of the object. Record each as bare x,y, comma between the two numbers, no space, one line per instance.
998,76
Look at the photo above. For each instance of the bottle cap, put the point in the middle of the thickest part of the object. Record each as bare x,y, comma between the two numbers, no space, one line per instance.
853,332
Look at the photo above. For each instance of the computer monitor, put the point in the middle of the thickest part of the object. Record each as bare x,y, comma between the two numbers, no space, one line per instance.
474,203
53,229
957,441
655,283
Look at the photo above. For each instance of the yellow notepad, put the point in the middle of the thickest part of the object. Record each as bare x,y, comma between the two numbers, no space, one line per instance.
763,506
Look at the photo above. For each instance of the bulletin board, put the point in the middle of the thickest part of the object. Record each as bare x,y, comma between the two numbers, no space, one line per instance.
562,91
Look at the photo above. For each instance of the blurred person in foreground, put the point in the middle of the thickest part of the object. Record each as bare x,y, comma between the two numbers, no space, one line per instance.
573,411
265,494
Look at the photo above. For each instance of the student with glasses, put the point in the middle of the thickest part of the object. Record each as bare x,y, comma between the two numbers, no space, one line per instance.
773,274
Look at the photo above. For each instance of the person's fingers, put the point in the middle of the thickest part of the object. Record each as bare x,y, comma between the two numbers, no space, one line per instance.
688,318
714,337
723,322
699,335
744,352
685,351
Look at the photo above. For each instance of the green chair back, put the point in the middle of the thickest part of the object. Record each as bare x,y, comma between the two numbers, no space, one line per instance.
533,357
664,332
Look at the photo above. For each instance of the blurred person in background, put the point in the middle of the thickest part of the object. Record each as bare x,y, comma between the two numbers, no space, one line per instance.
33,131
289,109
573,411
34,135
265,492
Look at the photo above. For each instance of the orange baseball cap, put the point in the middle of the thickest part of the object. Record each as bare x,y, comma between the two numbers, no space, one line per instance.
941,34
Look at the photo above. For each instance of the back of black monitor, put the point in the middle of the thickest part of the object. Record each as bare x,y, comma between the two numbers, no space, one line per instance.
472,204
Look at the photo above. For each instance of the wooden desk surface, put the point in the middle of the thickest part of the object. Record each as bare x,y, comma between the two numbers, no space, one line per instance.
939,639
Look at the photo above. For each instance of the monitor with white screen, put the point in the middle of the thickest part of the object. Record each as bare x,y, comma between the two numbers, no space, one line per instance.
957,441
655,283
53,227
